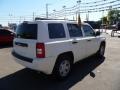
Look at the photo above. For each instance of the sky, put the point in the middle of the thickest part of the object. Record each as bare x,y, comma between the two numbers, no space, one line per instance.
17,10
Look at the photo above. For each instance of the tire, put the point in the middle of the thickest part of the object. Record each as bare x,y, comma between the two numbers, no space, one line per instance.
62,67
101,50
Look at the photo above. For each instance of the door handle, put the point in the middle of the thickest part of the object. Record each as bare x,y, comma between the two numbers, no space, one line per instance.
89,40
74,42
21,44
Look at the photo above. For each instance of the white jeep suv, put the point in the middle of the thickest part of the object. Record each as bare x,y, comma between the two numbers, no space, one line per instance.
52,46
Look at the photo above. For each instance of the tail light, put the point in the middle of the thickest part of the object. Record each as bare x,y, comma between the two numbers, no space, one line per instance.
40,50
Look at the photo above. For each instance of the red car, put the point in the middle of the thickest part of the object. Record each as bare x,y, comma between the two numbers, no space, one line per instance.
6,36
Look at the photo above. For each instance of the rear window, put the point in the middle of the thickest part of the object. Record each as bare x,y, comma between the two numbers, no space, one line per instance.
56,30
27,31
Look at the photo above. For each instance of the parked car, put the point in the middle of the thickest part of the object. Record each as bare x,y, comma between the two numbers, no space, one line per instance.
53,46
94,24
6,36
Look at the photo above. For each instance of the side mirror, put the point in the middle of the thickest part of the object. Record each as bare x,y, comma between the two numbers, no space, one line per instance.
97,33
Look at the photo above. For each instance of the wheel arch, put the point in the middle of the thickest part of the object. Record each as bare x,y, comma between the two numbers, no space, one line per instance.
103,43
69,53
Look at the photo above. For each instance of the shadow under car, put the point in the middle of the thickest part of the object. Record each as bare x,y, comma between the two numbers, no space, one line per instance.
26,79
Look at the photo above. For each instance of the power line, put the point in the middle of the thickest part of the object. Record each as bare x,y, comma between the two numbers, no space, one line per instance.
91,7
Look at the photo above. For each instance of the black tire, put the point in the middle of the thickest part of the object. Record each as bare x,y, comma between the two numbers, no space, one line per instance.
59,70
101,50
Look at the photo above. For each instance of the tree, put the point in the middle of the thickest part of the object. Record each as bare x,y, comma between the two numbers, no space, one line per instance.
113,16
104,20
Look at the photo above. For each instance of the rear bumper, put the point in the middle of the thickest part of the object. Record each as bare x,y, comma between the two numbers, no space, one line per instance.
22,57
45,65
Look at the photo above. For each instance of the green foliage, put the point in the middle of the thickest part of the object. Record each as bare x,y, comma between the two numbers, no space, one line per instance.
113,16
104,20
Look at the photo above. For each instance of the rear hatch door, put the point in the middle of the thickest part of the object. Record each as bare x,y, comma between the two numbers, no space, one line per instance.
26,38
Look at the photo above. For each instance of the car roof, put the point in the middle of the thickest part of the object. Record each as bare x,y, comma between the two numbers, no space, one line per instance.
3,29
56,21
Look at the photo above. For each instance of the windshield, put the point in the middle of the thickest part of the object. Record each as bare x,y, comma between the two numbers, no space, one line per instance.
26,31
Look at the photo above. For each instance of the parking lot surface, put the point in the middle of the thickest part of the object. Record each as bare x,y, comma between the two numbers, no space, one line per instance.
91,74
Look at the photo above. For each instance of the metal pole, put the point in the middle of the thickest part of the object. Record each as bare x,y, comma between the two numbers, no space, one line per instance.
24,19
46,10
79,18
102,19
73,18
10,15
76,16
20,20
64,7
88,15
54,13
33,16
79,1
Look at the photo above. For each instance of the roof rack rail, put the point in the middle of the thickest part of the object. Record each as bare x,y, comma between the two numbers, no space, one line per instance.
37,18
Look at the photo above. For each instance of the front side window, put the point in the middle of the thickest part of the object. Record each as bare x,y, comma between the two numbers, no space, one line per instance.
88,30
56,30
74,30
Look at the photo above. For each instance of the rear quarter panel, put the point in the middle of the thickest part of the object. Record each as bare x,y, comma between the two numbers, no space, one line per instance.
55,48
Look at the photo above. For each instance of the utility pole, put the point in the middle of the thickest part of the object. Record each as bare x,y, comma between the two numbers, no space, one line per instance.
102,16
10,15
24,19
79,2
64,7
20,19
110,8
33,16
79,19
73,18
102,19
54,13
87,16
76,16
47,10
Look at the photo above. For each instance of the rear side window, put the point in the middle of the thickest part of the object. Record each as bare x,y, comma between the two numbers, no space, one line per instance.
27,31
74,30
56,30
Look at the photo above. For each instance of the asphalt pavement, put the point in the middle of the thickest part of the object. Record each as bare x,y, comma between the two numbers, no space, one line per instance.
91,74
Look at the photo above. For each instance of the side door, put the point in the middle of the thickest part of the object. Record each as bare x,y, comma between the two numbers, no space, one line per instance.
77,42
3,36
92,41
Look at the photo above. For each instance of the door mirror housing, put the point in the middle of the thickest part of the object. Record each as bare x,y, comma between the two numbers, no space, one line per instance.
97,33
